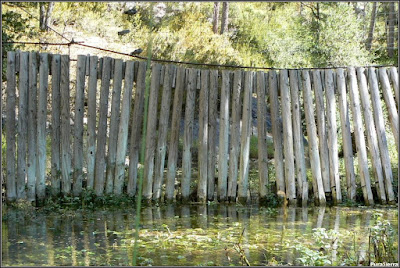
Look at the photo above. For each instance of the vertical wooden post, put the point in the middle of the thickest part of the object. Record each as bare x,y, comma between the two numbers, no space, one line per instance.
395,81
78,125
136,128
123,129
332,137
261,132
391,105
151,132
203,135
381,134
32,127
212,137
102,128
55,123
302,183
318,187
17,61
188,134
371,134
235,135
346,136
245,139
10,128
163,131
287,137
174,138
359,136
114,124
224,138
1,155
277,134
23,83
323,141
92,115
87,70
41,127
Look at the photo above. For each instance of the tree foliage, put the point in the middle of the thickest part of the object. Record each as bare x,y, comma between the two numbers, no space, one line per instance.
269,34
14,27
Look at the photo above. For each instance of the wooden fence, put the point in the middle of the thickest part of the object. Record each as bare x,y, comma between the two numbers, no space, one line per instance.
86,133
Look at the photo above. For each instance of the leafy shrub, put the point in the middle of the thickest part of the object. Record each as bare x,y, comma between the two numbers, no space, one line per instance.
382,240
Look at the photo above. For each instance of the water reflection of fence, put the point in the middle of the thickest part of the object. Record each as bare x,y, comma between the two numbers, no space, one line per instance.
92,152
105,237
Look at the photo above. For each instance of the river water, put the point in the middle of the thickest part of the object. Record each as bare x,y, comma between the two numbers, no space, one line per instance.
192,235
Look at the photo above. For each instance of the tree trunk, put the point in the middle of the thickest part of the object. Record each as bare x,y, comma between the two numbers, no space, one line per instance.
47,21
42,17
215,17
371,26
301,9
391,19
45,15
225,14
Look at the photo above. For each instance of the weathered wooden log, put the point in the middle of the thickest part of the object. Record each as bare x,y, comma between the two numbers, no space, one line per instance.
287,137
321,128
203,135
163,131
87,69
381,134
78,125
112,70
174,138
100,163
212,136
394,77
162,75
136,129
277,134
235,136
346,136
359,136
390,104
122,142
100,68
371,134
332,137
22,134
318,186
224,138
32,127
302,183
91,125
188,134
56,126
261,132
243,182
17,60
114,125
174,78
10,129
151,132
41,120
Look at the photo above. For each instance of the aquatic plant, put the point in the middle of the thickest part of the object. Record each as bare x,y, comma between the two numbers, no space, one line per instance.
381,241
351,256
240,250
310,257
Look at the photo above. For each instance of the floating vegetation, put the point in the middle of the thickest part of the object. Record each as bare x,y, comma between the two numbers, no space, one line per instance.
201,235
